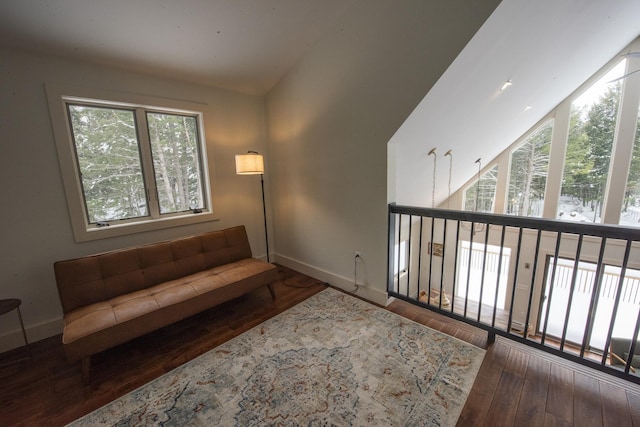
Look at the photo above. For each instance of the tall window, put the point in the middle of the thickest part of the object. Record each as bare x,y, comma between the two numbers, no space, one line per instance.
109,149
528,173
592,129
480,196
630,214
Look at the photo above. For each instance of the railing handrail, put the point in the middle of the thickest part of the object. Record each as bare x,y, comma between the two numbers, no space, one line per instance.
544,224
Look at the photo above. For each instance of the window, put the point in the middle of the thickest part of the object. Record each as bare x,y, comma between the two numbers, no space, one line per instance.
108,156
401,260
592,128
528,173
480,270
630,214
598,158
108,153
176,161
564,302
129,166
481,198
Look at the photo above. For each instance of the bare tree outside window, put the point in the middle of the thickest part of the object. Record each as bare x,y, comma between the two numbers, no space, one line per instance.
482,198
528,174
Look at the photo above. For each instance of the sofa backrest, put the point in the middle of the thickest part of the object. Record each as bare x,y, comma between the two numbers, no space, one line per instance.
94,278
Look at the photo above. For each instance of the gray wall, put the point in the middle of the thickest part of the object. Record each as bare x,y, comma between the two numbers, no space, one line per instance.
329,123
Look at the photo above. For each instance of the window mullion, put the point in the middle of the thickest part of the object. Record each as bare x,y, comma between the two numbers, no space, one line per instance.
557,153
147,163
623,144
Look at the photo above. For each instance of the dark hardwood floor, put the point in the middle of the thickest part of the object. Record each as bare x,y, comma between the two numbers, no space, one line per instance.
516,386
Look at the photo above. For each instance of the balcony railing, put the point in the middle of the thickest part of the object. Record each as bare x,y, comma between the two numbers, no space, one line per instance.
568,288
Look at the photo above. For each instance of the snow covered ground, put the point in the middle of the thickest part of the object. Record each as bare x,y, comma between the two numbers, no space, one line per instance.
570,209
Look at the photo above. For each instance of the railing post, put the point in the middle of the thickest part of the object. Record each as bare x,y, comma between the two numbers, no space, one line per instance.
491,338
390,250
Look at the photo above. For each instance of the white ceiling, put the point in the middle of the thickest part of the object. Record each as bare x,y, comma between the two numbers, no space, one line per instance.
242,45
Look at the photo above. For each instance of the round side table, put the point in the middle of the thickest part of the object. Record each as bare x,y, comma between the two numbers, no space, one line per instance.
7,305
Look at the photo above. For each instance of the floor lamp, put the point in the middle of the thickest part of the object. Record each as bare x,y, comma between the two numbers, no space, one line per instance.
252,163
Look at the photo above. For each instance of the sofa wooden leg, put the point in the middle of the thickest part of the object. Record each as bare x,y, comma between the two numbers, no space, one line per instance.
273,292
86,367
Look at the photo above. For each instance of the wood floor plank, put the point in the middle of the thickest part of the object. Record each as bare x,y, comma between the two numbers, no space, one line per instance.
560,396
634,407
482,393
615,406
586,401
470,337
504,404
551,420
533,400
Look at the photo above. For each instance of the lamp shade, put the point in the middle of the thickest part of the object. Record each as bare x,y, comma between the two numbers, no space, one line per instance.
249,164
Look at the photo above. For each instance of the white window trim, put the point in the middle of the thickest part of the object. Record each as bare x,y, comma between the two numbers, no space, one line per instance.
57,97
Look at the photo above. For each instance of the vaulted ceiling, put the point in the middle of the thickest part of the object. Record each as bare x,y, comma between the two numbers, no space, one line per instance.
545,47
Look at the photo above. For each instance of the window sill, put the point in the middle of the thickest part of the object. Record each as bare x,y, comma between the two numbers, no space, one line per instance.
84,234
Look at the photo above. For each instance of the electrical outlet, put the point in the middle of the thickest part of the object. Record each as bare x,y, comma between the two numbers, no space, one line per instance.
358,256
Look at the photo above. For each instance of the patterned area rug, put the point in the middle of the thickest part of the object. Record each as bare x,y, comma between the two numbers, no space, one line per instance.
330,360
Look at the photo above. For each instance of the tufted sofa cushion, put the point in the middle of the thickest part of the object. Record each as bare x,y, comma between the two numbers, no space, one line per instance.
113,297
97,278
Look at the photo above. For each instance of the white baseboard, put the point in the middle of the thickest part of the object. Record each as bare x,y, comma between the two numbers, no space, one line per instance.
14,339
367,292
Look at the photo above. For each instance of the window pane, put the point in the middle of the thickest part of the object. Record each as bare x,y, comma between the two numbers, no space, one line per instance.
528,176
479,271
109,160
592,127
631,206
481,199
565,300
175,149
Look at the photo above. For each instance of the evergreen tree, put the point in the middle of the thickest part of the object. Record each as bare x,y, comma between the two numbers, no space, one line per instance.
577,165
600,129
632,192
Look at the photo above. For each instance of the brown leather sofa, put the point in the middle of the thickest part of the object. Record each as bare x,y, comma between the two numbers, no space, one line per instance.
110,298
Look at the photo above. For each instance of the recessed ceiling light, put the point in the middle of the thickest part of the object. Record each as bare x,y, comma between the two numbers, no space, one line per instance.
506,84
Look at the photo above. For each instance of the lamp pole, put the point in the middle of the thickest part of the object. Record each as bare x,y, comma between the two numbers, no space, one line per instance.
264,212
